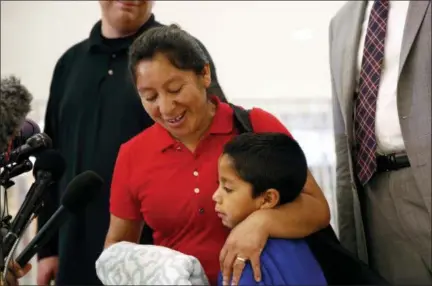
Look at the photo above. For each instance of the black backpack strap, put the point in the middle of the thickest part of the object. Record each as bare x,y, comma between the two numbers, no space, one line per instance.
241,119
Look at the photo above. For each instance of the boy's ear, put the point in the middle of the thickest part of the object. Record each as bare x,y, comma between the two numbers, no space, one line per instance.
270,199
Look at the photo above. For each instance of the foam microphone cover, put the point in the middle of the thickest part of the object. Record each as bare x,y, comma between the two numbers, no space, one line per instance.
50,161
28,129
81,190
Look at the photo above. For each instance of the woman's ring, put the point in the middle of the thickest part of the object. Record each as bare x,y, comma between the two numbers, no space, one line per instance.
241,259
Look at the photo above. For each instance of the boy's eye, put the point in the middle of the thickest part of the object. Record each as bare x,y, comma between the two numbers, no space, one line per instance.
227,190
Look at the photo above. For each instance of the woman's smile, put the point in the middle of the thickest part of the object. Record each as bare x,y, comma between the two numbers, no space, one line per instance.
176,122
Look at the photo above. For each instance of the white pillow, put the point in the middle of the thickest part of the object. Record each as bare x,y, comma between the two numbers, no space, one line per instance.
126,263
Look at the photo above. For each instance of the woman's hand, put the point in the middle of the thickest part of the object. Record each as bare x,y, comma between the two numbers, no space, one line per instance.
14,273
245,242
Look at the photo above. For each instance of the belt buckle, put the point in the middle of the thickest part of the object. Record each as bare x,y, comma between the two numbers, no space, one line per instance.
386,162
390,162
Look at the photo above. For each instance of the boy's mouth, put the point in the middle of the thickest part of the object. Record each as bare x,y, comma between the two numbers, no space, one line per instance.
220,214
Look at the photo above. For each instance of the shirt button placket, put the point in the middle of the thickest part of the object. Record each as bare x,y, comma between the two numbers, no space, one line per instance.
110,71
197,191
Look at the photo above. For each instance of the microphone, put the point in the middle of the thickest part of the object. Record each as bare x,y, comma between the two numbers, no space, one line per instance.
15,102
33,145
16,170
49,167
27,130
79,192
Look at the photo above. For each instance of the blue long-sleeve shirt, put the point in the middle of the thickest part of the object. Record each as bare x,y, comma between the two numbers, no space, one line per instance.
285,262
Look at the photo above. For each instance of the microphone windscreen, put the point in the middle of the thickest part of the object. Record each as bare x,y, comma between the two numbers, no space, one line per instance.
40,141
51,161
15,102
81,190
28,129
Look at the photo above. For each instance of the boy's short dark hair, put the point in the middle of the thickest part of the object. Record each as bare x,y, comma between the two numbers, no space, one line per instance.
269,161
181,49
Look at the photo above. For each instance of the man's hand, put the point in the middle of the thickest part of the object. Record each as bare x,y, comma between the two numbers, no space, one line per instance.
47,270
245,242
14,273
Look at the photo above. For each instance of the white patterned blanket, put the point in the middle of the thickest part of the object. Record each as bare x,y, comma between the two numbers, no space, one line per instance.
126,263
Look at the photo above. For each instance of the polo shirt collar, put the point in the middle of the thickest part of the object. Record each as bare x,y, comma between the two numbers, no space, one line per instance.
223,120
98,44
222,124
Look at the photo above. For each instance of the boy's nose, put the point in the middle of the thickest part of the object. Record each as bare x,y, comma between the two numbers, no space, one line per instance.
216,196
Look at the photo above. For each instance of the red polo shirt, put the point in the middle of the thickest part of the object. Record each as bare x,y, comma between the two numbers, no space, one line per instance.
160,181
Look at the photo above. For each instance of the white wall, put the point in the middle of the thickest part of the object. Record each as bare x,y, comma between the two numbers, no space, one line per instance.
261,48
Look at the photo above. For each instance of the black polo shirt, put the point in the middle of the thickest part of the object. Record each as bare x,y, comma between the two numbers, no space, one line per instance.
93,108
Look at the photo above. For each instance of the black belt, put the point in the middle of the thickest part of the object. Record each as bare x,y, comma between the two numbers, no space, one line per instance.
392,162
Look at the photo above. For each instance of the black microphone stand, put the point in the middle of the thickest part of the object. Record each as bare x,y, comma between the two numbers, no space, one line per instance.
2,258
6,175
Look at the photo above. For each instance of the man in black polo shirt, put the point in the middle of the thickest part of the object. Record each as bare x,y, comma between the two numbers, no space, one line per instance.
92,109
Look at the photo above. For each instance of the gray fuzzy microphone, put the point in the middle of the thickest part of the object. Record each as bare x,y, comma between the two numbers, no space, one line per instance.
15,102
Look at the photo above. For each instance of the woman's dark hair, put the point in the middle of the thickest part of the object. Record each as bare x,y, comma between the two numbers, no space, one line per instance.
269,161
181,49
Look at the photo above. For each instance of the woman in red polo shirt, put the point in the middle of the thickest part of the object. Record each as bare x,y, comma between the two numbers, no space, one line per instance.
166,175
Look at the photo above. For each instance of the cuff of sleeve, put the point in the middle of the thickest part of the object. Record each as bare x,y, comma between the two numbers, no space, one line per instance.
51,249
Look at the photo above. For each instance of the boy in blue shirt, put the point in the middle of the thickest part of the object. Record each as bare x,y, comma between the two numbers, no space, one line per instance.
262,171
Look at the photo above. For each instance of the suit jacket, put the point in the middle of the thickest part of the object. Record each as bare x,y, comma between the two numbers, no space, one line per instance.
413,103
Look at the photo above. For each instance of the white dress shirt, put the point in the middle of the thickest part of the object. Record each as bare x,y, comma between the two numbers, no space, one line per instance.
387,127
